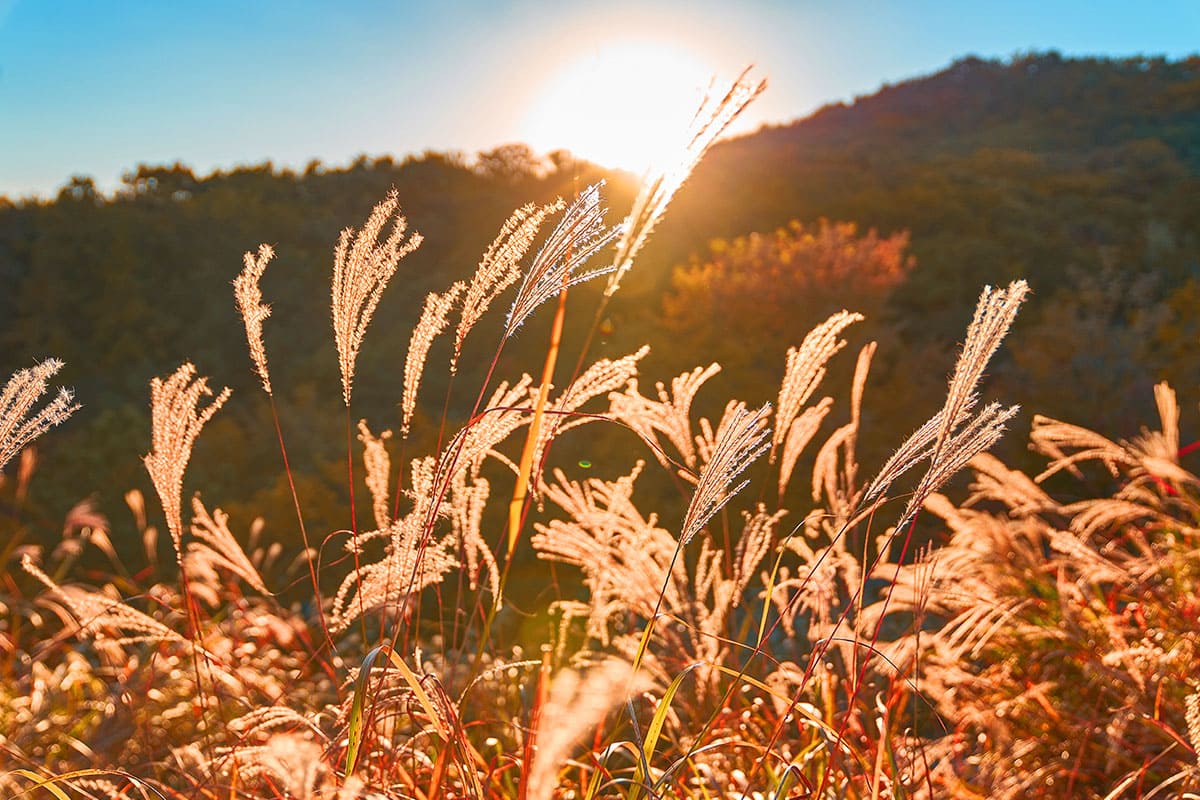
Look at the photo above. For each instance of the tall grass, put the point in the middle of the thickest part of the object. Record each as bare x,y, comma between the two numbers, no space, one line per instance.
723,645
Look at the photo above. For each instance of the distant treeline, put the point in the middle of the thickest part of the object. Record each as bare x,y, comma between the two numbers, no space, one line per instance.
1081,175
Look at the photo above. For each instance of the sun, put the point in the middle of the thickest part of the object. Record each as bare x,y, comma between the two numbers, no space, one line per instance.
626,104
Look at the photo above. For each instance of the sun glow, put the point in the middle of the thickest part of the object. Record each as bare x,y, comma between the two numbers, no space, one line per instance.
625,105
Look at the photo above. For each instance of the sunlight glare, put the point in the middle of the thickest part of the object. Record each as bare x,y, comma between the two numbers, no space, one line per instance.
625,105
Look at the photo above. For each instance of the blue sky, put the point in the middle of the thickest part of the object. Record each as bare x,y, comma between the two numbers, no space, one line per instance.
97,87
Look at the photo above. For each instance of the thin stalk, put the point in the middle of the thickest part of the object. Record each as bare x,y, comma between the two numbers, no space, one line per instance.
308,551
521,489
362,618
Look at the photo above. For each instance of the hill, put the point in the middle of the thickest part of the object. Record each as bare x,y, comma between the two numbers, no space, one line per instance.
1081,175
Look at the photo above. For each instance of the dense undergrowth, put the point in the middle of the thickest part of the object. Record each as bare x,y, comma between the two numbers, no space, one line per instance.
794,642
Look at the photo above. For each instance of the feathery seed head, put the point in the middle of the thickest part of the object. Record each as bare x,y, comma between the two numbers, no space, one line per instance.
719,108
433,321
500,267
740,439
806,369
176,420
96,612
362,267
215,546
579,235
378,465
994,315
248,295
17,428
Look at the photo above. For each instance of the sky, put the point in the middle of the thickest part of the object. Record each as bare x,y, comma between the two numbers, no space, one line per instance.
95,88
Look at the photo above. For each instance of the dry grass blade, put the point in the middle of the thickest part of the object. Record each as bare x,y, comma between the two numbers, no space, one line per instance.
248,296
362,267
579,235
720,107
740,439
23,389
176,421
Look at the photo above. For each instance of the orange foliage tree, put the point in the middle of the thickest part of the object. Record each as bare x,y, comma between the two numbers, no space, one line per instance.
769,288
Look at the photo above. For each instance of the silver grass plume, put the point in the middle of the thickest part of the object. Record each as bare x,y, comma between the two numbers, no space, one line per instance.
248,295
504,412
994,315
800,432
433,321
624,555
467,504
500,267
915,449
215,546
176,421
362,267
577,703
412,562
1192,704
722,104
670,416
96,612
266,719
741,438
414,558
753,545
601,378
951,437
579,235
862,369
806,369
17,427
378,466
976,437
1050,437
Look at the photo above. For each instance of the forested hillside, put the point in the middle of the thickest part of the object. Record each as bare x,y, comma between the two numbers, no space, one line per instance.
1082,176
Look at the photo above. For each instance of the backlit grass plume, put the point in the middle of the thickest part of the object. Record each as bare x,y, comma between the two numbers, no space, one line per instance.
806,369
362,267
96,612
952,437
248,296
176,420
722,104
17,427
500,267
741,437
579,235
432,323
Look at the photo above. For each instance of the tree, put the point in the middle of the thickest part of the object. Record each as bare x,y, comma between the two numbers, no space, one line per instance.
511,163
751,298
